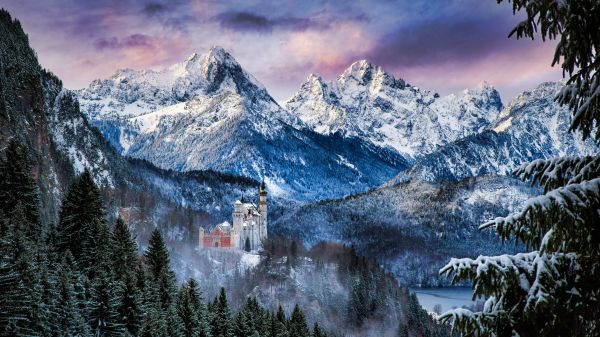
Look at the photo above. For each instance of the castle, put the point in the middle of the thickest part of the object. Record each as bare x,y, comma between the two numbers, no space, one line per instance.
249,227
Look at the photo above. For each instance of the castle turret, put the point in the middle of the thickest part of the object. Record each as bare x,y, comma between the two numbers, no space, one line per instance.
238,218
262,208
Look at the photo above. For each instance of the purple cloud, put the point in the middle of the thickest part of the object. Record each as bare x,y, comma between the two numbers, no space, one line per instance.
436,41
250,22
134,40
153,8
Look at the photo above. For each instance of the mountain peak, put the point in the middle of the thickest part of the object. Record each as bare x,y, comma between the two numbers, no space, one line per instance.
366,73
219,55
192,57
361,70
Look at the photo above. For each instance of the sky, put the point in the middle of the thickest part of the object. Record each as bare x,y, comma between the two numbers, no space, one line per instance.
439,45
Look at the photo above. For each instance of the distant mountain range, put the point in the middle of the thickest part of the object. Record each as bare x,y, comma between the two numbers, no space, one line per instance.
531,126
208,113
368,103
331,139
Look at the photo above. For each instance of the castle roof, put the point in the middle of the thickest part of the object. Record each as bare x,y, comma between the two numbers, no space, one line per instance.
225,227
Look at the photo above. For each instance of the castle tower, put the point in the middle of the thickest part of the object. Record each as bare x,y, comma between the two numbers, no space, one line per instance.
262,208
238,218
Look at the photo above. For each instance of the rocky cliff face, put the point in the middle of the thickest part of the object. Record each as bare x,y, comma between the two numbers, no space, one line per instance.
368,103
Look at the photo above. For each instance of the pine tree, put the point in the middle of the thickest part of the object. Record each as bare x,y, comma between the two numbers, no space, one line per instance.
553,288
81,216
154,324
241,325
124,251
317,331
125,266
221,325
174,323
157,255
104,303
281,324
14,299
192,311
157,259
17,186
71,305
298,326
130,305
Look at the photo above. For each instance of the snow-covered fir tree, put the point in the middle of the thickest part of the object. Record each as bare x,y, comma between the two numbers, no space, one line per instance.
552,289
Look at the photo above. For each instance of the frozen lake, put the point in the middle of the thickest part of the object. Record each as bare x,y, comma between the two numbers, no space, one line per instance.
448,298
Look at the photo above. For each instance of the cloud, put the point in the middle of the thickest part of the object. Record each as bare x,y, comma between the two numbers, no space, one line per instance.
328,53
131,41
251,22
434,41
153,8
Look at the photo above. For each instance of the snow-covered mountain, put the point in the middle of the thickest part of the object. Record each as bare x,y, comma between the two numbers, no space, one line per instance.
368,103
208,113
414,227
532,126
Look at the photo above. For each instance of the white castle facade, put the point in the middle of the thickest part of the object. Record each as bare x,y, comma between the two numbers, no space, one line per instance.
249,227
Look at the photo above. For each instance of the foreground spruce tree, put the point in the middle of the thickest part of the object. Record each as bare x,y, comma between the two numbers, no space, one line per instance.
554,289
192,311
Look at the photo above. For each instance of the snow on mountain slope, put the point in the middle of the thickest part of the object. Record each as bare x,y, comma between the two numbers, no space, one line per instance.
414,227
208,113
368,103
532,126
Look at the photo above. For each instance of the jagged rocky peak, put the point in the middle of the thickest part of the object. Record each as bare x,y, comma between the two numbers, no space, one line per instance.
543,92
367,102
485,94
365,73
130,93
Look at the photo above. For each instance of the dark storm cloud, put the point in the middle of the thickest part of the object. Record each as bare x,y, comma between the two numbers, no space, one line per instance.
174,14
251,22
153,8
443,40
134,40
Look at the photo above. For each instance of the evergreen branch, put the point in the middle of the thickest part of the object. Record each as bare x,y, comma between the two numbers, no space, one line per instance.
568,209
558,172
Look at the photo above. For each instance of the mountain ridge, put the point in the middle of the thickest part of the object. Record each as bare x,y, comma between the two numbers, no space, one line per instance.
232,126
532,126
367,102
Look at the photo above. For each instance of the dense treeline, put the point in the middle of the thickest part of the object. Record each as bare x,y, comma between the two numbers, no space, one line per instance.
83,276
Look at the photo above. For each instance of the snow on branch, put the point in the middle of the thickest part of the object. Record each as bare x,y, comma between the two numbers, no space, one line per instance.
558,172
508,281
485,270
568,209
